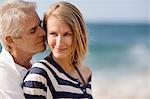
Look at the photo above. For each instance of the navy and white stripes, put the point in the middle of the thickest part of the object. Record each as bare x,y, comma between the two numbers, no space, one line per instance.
46,80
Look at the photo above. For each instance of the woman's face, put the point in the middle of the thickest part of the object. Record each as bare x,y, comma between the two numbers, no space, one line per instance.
59,36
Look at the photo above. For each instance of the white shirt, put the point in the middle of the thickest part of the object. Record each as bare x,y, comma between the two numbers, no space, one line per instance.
11,76
22,71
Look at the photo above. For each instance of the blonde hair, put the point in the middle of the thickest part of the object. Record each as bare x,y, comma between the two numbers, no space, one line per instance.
14,15
69,14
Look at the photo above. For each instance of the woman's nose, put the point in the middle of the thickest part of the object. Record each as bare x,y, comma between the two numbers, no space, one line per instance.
58,40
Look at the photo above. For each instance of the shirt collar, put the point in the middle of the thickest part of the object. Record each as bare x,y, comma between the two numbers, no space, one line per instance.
8,59
22,70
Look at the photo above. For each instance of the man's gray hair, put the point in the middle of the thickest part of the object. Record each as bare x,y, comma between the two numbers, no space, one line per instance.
13,17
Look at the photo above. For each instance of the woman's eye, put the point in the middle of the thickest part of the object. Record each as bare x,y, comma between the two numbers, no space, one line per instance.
53,34
67,34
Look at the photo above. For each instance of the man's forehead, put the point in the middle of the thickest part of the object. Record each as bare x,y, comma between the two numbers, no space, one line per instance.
33,17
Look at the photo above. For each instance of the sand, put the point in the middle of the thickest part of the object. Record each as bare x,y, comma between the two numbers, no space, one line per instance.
126,85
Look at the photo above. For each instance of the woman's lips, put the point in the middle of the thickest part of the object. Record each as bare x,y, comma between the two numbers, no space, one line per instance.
60,49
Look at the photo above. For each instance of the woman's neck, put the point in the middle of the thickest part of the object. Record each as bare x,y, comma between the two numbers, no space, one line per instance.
64,64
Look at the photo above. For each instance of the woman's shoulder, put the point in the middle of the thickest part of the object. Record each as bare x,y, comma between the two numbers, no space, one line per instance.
86,72
42,64
86,69
39,67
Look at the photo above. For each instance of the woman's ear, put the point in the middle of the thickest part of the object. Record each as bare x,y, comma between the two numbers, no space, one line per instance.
8,40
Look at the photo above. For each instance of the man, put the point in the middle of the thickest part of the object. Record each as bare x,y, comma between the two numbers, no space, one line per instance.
21,38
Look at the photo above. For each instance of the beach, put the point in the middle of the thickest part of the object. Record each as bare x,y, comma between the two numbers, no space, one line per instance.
119,55
122,85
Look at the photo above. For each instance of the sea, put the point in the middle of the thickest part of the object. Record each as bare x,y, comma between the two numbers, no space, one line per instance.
119,57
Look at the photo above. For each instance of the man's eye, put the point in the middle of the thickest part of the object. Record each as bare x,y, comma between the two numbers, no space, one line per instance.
33,30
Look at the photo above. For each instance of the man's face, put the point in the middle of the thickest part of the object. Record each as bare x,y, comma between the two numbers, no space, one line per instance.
32,38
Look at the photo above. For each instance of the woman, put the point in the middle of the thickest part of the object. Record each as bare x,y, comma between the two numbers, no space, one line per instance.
62,74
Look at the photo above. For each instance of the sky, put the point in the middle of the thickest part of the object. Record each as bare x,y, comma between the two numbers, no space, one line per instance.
132,11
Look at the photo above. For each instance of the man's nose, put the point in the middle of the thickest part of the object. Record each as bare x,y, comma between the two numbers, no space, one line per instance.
42,32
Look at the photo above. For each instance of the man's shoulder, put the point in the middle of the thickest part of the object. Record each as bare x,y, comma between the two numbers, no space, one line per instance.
5,71
8,78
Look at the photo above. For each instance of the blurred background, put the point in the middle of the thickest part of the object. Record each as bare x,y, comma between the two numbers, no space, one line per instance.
119,46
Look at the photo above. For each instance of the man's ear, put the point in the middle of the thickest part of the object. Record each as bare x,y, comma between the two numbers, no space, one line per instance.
9,40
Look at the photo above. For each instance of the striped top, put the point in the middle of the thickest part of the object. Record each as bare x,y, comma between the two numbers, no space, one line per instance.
47,80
